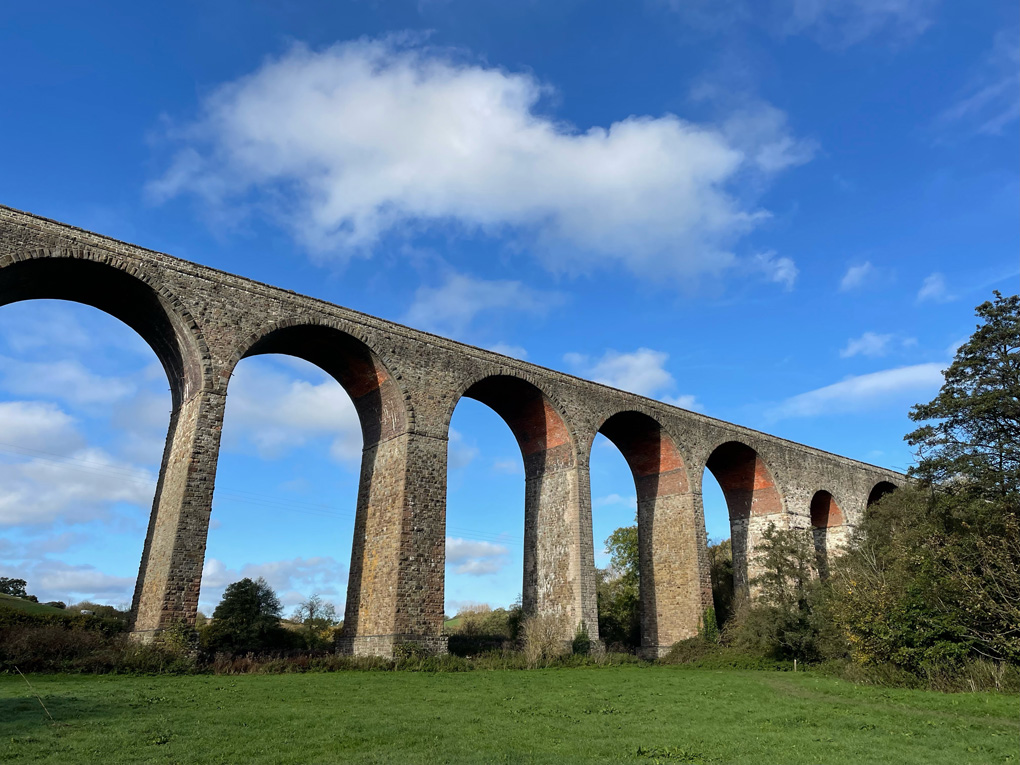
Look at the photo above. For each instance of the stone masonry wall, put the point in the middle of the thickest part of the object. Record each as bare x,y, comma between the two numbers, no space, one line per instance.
406,384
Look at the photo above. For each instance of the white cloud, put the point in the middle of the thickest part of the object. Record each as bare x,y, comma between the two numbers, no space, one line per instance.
863,392
274,412
50,579
293,580
514,351
639,372
474,557
868,344
857,276
934,288
989,101
38,426
365,138
451,307
779,270
67,380
75,489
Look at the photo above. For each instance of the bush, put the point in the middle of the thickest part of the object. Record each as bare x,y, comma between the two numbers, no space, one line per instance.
698,653
542,638
581,644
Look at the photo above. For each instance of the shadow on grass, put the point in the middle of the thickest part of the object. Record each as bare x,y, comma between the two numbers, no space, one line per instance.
26,711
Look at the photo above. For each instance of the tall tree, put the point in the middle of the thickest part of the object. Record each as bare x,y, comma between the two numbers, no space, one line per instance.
247,619
973,445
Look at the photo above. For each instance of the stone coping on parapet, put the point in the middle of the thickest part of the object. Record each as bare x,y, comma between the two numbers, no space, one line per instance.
254,286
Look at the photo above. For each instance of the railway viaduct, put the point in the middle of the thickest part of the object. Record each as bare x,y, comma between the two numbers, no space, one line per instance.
405,384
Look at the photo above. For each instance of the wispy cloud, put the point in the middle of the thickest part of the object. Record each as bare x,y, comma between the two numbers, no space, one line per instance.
833,23
862,392
779,270
934,289
451,307
989,101
868,344
844,23
857,276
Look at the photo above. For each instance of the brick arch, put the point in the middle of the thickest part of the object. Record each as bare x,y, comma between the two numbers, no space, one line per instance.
380,398
825,512
745,479
650,451
671,531
828,532
537,420
128,293
752,499
879,490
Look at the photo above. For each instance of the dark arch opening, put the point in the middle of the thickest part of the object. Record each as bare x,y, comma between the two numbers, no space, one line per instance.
752,501
550,582
670,533
119,294
826,518
880,490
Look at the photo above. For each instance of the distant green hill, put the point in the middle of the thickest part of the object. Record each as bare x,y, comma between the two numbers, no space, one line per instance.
20,604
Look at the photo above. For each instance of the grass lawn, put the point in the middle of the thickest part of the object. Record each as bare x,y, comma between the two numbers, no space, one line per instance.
20,604
637,714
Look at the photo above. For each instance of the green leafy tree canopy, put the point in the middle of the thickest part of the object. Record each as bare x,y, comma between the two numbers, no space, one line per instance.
15,587
970,439
249,604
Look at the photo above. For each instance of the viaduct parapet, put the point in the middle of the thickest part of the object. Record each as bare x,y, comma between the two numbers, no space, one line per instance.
405,384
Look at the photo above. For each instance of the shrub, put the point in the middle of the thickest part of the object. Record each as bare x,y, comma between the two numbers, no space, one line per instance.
542,638
581,644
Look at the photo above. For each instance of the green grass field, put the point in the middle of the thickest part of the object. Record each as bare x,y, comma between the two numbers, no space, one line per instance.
9,601
637,714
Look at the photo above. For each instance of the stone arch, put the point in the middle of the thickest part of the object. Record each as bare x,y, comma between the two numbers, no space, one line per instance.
827,529
879,490
671,536
554,512
380,398
127,293
752,499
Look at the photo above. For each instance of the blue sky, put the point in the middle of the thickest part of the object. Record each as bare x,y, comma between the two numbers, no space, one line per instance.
780,214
